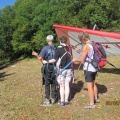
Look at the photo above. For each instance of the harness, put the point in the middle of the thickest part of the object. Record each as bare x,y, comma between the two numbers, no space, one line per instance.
68,52
50,55
51,52
91,60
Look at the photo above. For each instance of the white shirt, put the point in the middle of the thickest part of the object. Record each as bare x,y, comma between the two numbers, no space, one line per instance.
88,66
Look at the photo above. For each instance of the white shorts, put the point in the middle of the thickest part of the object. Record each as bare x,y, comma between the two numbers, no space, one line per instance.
65,76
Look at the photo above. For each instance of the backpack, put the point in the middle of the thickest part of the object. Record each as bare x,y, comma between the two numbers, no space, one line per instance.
58,63
99,57
51,52
49,56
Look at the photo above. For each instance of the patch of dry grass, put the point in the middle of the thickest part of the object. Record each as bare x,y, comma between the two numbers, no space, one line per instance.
20,94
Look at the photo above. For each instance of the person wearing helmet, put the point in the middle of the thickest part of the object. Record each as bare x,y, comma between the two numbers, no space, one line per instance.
64,54
47,53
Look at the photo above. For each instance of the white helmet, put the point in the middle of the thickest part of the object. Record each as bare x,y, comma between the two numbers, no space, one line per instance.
49,38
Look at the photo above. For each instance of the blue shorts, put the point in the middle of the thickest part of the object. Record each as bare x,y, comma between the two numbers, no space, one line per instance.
89,76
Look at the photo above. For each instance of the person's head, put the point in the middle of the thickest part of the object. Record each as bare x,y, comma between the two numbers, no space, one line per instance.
50,39
63,40
84,37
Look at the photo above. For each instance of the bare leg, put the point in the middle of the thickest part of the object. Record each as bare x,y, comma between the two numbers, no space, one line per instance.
91,92
62,91
67,91
95,90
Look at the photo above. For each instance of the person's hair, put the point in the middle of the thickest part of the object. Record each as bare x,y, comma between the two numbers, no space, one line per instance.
83,36
63,39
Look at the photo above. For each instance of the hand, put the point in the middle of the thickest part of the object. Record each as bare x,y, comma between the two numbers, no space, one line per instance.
44,62
73,60
34,53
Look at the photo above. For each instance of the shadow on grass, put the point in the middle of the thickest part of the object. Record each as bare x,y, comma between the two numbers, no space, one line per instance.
78,66
8,63
3,75
101,88
110,70
75,88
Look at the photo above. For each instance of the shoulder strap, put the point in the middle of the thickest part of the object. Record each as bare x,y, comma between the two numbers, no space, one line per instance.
95,48
69,52
60,46
51,48
63,55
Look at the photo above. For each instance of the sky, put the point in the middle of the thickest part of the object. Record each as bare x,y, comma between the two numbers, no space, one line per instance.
4,3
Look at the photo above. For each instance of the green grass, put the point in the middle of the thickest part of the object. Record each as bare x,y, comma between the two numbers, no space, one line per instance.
21,95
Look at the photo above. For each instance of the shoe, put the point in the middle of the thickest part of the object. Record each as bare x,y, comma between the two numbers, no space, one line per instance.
89,107
46,102
67,103
62,103
97,101
53,100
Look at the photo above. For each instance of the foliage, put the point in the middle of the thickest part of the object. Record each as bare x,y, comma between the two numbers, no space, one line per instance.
24,25
6,31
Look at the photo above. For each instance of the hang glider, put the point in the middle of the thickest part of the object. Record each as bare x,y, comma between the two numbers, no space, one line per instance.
109,40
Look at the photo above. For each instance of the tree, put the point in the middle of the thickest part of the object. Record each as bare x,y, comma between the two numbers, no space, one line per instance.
6,16
25,25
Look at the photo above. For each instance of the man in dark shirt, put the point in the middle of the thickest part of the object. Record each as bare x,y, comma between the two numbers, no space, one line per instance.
47,53
63,52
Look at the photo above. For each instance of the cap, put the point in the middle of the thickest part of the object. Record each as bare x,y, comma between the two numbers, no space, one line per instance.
49,38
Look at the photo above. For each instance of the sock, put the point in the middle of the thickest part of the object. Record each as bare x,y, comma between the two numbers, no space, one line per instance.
66,100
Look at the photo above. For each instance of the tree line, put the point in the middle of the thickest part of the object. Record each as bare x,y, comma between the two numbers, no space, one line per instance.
24,26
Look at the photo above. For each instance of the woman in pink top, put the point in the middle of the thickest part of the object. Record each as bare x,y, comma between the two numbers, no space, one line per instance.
89,71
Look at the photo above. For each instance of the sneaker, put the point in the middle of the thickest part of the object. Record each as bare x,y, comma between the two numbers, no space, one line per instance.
62,103
67,103
53,100
46,102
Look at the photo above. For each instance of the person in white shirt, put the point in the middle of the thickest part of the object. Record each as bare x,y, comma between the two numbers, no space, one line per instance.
89,71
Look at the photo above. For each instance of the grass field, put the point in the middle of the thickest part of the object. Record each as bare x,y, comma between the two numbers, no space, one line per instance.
21,94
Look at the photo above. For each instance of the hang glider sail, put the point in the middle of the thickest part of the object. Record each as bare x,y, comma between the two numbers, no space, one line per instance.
109,40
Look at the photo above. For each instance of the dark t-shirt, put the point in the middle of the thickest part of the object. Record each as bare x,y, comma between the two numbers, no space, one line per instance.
66,58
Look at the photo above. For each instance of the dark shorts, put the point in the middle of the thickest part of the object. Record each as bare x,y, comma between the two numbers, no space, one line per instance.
90,76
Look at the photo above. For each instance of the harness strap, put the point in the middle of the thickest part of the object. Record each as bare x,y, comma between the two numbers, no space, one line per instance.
94,46
43,73
69,54
68,63
51,55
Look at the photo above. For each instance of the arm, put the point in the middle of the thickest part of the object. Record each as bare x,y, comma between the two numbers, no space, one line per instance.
52,61
83,56
36,55
39,57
